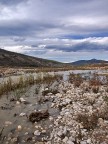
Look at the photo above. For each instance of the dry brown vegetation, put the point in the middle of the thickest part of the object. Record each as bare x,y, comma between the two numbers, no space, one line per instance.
95,80
88,121
9,85
75,79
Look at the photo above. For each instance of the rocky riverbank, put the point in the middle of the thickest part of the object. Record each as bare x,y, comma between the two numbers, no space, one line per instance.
75,114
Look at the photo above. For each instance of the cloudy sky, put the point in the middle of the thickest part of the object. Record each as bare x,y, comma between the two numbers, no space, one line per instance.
62,30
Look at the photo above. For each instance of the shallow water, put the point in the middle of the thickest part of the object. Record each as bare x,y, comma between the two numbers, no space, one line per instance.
10,111
65,74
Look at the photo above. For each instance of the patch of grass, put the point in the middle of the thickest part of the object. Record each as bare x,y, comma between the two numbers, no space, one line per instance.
6,86
9,85
75,79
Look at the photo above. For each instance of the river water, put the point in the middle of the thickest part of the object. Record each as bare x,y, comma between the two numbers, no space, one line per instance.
65,74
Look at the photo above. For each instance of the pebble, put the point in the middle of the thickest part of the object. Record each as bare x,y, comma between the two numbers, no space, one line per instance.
65,139
70,142
22,114
89,141
37,133
100,121
17,102
60,133
67,100
52,105
43,131
8,122
51,118
19,127
14,140
22,100
26,133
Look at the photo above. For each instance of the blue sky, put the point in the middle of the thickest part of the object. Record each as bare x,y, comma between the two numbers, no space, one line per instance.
62,30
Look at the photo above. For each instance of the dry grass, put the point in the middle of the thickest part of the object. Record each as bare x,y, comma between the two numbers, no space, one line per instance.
75,79
95,80
9,85
88,121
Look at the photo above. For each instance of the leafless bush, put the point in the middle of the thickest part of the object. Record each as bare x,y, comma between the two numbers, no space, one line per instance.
88,121
76,79
95,89
95,80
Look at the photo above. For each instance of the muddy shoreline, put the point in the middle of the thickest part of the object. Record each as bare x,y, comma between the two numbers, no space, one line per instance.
76,108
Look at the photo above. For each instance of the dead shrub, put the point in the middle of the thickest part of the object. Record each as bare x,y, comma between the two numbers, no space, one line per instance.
88,121
95,89
76,79
95,80
37,116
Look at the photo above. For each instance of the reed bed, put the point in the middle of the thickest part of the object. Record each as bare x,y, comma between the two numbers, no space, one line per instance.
22,82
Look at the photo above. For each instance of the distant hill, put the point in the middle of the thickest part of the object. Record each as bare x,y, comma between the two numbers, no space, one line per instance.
13,59
88,62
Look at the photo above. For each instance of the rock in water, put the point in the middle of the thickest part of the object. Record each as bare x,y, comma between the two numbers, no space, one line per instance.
19,127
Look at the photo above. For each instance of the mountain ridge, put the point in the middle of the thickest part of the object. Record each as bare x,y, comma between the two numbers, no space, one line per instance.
13,59
88,62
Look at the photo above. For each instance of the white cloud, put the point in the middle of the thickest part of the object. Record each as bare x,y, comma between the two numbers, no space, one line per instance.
46,27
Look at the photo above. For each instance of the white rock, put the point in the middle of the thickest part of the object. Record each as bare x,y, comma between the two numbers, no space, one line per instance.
101,121
67,113
19,127
50,126
17,102
59,95
52,105
37,133
59,133
26,133
56,123
22,100
89,141
46,89
59,117
8,123
14,140
65,140
36,126
83,142
70,142
67,100
50,118
43,131
22,114
65,131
